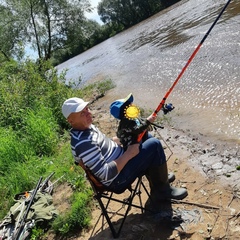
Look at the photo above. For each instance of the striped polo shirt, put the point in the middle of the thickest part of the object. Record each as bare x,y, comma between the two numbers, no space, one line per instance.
97,153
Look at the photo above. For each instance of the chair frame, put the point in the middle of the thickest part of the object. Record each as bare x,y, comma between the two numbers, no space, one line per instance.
99,195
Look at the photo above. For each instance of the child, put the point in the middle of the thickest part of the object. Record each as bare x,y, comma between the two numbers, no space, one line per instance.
130,125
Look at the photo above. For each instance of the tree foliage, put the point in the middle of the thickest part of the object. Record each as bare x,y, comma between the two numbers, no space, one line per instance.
78,41
9,33
127,12
46,25
58,29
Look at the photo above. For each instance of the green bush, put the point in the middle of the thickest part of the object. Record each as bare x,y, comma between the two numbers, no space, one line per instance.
12,149
41,130
12,103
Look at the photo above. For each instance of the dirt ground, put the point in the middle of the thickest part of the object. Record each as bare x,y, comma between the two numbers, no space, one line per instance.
210,211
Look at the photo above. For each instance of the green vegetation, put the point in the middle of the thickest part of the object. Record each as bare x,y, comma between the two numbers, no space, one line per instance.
59,30
78,217
34,136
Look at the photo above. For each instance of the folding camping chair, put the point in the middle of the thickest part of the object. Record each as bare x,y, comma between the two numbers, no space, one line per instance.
105,197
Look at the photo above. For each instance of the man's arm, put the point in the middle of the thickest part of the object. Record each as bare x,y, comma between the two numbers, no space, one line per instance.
131,152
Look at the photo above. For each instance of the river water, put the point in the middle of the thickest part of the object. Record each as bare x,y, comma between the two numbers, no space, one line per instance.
147,58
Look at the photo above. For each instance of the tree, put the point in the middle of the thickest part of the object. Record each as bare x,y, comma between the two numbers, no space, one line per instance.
44,24
127,12
9,34
78,41
167,3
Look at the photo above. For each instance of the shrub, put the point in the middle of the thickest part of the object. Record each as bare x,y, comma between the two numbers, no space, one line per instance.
41,130
12,149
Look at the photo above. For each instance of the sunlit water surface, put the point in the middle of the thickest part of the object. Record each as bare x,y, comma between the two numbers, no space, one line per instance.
147,58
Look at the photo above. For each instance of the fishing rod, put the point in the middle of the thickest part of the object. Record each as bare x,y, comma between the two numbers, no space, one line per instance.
16,235
161,104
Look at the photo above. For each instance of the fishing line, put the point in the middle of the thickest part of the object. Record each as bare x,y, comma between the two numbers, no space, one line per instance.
161,104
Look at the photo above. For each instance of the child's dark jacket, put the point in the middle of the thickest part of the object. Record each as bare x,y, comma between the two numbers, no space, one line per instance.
129,129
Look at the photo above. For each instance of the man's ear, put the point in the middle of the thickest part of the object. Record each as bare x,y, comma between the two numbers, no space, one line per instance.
69,119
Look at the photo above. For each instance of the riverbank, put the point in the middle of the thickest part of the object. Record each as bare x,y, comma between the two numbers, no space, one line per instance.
207,169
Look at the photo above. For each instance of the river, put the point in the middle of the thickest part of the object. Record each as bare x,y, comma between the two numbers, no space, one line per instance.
147,58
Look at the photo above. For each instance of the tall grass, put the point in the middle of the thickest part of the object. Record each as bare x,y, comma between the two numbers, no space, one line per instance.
34,138
41,130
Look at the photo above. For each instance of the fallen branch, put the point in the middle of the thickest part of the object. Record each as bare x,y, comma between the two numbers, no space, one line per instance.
234,196
196,204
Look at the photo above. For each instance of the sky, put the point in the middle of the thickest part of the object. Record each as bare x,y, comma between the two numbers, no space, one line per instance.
94,14
33,55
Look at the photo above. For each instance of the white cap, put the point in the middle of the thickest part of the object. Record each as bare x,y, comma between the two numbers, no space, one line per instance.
72,105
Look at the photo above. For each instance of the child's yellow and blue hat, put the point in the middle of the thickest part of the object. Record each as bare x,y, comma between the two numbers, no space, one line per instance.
117,107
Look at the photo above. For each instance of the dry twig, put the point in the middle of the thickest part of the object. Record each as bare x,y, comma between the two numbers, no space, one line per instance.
196,204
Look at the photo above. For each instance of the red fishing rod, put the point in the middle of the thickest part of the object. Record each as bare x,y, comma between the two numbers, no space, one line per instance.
161,104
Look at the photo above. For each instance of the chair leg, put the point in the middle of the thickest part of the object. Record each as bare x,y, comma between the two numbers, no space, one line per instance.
105,214
129,202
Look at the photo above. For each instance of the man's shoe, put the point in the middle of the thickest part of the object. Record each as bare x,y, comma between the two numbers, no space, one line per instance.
171,177
174,193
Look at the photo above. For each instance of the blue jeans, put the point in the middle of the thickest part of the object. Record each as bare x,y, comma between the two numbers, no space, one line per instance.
151,154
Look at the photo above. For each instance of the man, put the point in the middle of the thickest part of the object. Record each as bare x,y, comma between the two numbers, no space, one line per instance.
109,163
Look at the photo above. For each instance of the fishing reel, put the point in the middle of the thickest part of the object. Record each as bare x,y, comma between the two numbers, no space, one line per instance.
168,107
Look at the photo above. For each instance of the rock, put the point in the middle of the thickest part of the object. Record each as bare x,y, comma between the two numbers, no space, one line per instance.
218,165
